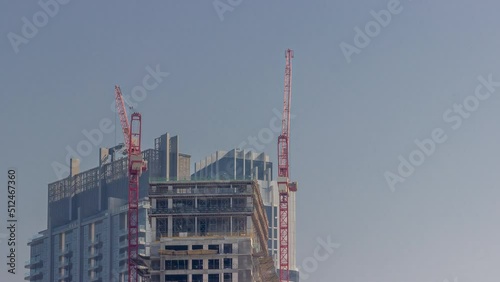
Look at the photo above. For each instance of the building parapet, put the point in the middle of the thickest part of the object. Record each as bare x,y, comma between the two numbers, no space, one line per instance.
163,190
203,210
91,179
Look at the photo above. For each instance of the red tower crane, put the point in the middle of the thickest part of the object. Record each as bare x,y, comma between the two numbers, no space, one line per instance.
136,165
284,184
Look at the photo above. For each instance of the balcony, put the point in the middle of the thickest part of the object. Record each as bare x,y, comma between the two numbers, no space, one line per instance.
95,267
66,252
123,244
203,210
33,263
123,256
33,275
122,232
66,276
123,268
66,264
95,255
96,279
142,228
94,243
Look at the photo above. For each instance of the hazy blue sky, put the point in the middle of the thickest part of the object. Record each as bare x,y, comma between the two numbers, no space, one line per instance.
352,121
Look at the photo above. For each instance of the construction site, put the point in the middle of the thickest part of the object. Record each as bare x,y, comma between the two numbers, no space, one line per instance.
143,215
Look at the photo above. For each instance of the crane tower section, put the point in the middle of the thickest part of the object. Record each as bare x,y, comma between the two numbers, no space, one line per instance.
284,184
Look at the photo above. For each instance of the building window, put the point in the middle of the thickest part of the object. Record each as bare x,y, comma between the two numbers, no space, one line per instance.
228,248
183,225
183,204
214,225
239,224
176,278
214,247
239,169
213,264
161,204
197,247
217,204
155,264
161,227
197,264
197,278
202,203
177,248
248,169
228,263
122,221
202,226
239,202
269,213
213,278
228,277
176,264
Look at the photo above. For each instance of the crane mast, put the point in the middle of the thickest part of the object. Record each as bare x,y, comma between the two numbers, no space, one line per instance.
284,184
136,165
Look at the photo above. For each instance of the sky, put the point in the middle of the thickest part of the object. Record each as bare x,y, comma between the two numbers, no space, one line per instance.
359,112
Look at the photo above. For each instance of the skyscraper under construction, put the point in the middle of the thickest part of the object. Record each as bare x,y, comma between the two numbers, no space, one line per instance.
219,228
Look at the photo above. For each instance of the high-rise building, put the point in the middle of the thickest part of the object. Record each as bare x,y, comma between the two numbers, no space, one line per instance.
209,231
246,165
86,235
